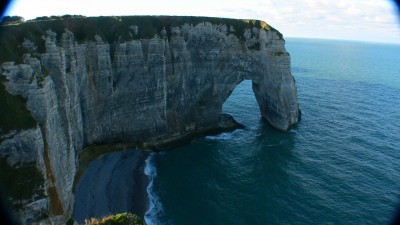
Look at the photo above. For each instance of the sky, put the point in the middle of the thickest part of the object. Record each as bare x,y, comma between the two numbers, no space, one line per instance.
362,20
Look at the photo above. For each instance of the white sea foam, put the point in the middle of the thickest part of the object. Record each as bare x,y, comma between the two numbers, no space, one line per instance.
155,207
222,136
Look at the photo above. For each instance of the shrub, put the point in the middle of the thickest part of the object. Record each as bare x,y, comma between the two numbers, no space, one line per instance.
110,29
119,219
13,112
12,19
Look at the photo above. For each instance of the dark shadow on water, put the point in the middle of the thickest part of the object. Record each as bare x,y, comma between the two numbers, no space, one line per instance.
270,135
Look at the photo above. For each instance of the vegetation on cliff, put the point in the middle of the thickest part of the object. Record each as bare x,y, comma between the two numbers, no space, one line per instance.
22,182
15,30
119,219
110,29
13,112
71,103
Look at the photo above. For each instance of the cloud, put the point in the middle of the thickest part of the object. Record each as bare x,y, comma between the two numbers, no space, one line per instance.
357,19
335,19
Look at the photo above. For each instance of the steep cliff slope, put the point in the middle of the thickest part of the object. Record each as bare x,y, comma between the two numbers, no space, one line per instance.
147,81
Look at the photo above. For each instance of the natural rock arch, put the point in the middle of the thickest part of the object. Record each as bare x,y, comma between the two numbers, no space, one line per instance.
148,91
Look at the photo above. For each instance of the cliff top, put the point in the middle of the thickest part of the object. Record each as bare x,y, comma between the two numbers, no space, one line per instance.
14,30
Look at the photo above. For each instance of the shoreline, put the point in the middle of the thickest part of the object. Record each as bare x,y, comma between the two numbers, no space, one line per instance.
140,197
113,183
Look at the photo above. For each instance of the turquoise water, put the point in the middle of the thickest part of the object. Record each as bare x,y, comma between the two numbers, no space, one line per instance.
340,165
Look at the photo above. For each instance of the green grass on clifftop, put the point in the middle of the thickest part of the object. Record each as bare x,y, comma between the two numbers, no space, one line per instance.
110,28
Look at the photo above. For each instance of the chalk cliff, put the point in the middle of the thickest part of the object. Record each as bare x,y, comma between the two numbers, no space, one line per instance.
148,91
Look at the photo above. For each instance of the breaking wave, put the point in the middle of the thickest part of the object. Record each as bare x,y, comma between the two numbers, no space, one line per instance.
155,206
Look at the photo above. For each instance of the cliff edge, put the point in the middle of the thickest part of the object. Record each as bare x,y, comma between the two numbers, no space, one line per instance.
143,80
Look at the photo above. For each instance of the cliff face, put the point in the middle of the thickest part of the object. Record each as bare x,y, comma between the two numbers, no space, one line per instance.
145,91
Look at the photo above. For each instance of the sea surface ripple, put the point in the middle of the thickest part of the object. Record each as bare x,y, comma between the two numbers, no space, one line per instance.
339,165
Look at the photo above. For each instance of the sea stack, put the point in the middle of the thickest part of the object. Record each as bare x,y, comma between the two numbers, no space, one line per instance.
144,81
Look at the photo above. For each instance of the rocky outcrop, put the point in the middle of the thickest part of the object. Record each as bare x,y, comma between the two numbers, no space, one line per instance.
145,91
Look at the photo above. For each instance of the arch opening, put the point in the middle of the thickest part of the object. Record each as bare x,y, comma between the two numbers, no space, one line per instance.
242,105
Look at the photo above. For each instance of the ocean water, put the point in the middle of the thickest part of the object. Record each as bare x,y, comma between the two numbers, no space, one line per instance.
339,165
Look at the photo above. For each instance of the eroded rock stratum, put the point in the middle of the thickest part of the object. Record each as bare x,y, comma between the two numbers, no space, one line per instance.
150,81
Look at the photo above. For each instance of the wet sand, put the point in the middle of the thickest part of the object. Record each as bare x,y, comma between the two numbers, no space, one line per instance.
113,183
